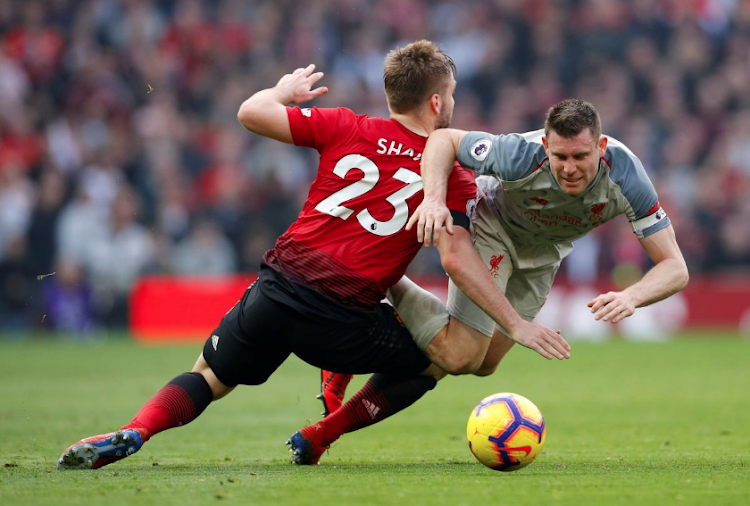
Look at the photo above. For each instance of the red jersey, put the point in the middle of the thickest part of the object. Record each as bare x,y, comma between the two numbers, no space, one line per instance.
350,242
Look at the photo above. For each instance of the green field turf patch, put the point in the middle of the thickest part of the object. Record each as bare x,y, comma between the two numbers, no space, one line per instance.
662,423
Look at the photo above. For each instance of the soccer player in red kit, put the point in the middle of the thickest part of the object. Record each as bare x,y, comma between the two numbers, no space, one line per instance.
320,288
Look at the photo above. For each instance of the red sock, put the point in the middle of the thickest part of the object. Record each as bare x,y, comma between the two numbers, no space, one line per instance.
178,403
381,397
334,388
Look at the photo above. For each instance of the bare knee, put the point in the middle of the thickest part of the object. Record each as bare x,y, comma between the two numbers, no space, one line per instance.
489,364
501,345
486,369
218,389
458,349
466,364
457,362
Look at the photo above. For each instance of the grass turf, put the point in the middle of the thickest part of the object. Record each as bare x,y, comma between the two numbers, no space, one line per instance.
628,423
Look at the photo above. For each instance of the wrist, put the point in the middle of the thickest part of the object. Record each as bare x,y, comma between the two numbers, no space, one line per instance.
514,325
280,95
434,198
631,293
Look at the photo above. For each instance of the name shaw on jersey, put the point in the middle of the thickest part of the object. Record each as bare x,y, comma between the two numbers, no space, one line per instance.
396,148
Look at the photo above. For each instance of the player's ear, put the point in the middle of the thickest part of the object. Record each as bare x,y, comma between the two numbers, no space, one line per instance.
602,145
436,103
544,142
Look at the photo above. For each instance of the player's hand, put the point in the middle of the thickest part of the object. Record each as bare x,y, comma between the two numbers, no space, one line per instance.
296,88
430,217
545,341
612,306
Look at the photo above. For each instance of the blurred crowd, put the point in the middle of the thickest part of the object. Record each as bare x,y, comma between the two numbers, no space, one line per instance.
120,152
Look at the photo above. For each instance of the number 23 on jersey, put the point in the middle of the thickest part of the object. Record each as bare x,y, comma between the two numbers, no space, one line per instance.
331,205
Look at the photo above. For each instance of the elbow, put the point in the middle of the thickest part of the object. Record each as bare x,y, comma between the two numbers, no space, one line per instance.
451,263
248,115
684,277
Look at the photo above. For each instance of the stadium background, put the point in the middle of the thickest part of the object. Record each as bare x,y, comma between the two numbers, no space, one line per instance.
121,156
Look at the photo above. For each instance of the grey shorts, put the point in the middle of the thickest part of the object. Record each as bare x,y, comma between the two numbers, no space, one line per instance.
526,289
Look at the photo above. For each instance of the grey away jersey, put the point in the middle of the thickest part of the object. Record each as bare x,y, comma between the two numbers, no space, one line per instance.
536,216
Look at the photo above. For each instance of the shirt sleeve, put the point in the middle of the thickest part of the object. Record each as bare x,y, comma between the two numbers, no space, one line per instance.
508,157
316,127
462,191
646,215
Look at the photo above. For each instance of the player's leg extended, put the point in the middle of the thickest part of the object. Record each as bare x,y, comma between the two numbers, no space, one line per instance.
450,344
232,355
423,314
387,347
178,403
382,396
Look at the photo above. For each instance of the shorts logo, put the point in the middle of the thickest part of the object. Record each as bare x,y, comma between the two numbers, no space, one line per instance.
215,341
306,112
481,149
495,264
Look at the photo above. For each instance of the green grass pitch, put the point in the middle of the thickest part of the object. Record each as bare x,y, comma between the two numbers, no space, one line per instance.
628,424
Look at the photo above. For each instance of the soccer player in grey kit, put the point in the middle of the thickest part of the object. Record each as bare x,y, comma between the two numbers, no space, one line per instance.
537,193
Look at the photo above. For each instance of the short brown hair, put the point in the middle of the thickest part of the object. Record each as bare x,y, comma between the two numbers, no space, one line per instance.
569,117
413,73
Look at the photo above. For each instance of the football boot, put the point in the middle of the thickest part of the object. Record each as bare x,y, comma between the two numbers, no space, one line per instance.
306,446
98,451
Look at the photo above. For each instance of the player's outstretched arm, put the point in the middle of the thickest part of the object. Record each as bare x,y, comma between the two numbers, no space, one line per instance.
668,276
438,159
463,264
265,112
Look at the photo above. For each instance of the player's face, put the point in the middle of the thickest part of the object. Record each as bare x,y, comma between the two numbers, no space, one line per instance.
446,111
574,161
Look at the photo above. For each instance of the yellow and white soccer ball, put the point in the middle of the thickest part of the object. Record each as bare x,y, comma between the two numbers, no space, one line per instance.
506,432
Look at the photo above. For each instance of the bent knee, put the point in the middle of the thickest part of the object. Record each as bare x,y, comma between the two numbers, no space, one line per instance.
460,365
485,370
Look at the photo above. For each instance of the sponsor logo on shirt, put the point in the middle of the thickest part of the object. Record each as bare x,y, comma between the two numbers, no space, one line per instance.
307,112
481,149
540,200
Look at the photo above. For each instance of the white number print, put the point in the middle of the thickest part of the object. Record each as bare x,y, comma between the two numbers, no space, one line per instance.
332,205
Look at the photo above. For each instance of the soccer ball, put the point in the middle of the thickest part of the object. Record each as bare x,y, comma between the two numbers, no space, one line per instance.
506,432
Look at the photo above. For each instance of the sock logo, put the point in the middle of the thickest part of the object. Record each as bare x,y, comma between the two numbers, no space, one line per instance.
215,341
371,408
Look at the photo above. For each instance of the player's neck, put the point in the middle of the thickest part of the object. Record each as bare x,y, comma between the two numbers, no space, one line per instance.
416,124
